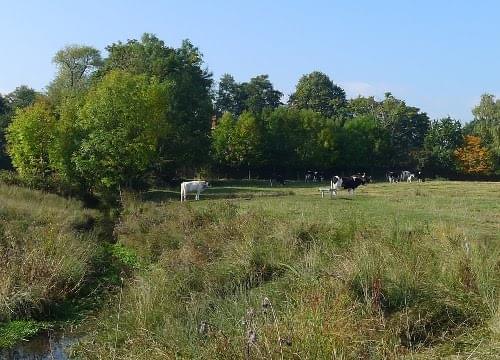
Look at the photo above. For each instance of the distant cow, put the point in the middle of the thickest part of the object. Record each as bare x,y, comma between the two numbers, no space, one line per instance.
392,176
309,176
192,186
405,174
278,178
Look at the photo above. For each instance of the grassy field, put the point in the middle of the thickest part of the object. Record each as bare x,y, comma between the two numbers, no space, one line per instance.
398,270
48,251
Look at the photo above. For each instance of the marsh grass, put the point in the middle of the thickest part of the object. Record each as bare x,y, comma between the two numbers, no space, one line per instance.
401,270
48,250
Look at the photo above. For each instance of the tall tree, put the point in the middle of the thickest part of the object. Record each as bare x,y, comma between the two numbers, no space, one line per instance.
254,96
246,142
121,124
283,136
222,135
23,96
473,158
486,125
29,138
4,122
229,96
407,127
364,143
259,94
315,91
75,65
443,138
188,106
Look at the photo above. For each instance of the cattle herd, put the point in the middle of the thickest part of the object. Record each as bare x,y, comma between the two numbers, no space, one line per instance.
405,175
350,183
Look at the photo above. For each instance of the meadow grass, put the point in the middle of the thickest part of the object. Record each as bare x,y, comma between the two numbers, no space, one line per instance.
48,246
398,270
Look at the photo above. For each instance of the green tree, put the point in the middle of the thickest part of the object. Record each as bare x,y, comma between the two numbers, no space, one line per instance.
407,127
29,137
121,124
363,143
229,96
222,135
259,94
188,107
486,125
75,65
317,149
246,142
4,122
315,91
443,138
68,136
254,96
283,136
23,96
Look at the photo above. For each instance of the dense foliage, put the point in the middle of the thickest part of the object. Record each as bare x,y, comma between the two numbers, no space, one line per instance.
143,114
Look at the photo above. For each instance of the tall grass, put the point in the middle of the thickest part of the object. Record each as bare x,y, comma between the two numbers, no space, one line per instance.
387,274
47,245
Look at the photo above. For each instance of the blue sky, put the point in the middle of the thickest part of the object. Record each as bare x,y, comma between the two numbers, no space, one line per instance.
437,55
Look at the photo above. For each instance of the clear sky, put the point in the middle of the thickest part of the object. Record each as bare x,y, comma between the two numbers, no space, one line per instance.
437,55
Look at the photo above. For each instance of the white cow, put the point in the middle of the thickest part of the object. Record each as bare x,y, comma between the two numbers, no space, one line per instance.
192,186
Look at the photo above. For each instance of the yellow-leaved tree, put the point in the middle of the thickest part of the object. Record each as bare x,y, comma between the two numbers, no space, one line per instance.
473,158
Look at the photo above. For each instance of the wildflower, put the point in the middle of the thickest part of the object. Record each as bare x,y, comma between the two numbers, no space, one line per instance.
266,303
203,328
251,337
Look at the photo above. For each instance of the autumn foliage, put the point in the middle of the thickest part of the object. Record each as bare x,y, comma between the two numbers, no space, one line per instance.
473,158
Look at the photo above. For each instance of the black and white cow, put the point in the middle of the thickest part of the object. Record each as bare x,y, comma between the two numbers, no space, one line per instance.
350,183
309,176
405,174
392,176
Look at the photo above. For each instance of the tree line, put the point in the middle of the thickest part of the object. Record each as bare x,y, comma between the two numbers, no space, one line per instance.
149,112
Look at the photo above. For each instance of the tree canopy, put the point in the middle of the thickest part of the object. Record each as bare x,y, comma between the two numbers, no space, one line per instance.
148,111
315,91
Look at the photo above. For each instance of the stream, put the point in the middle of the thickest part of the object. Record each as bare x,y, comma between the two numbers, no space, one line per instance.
46,346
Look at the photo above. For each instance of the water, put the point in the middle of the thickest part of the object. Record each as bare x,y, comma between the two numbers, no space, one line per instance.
47,346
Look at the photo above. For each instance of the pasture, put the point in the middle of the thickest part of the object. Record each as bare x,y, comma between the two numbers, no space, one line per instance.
253,271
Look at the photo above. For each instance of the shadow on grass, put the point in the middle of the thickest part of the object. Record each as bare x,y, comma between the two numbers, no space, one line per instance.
161,195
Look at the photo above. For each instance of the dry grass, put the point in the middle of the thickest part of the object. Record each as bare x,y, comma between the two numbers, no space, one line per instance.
46,248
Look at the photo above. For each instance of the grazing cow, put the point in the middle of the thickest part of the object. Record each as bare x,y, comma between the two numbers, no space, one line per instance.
351,183
192,186
405,174
280,179
392,176
419,176
410,178
364,177
309,176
